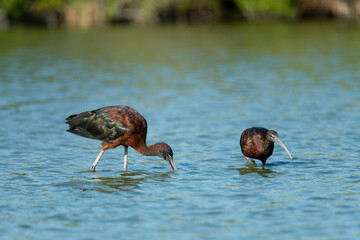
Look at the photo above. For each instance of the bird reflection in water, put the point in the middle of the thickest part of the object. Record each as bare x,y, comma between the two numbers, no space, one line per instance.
127,181
251,167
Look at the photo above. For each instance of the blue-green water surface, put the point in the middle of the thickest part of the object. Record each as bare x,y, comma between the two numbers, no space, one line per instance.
198,87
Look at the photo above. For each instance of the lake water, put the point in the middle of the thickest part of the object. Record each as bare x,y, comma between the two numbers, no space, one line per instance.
198,87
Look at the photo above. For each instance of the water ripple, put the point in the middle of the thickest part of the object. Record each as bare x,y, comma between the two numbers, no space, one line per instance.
198,97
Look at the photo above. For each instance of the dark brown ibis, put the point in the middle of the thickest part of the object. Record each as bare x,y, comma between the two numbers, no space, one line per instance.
258,143
118,125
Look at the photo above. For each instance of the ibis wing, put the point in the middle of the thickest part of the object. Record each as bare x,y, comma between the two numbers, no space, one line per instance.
96,125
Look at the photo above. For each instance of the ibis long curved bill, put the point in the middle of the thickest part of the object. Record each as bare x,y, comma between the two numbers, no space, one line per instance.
277,140
171,163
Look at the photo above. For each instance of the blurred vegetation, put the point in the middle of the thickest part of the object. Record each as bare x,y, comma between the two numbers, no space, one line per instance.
88,13
267,9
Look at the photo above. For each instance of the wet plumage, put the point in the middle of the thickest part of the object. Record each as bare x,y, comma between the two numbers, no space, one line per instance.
258,143
118,125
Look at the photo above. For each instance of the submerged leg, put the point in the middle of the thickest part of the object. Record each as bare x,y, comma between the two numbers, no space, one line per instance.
263,164
250,162
92,168
125,157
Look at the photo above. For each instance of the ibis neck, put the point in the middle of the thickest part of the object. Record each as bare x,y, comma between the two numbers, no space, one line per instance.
147,150
268,144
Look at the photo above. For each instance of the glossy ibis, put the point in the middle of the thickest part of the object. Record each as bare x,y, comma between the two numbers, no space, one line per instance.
118,125
258,143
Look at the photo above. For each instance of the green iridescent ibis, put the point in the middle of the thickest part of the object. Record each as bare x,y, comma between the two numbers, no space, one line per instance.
258,143
118,125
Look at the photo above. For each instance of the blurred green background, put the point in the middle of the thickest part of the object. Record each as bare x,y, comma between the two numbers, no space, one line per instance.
90,13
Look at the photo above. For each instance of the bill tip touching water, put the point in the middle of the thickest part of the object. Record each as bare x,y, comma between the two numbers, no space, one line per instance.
258,143
118,125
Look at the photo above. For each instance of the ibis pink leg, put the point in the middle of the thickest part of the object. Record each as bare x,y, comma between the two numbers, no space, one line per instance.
125,157
92,168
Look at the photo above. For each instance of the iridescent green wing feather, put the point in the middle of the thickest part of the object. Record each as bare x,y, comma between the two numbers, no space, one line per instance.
96,125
